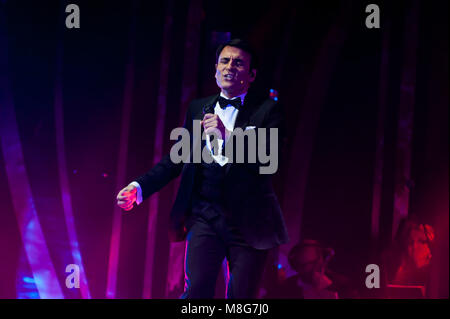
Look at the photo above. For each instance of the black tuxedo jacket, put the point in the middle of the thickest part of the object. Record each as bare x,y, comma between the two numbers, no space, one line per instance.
249,195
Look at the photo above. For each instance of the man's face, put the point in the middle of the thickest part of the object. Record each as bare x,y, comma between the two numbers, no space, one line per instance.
309,260
418,249
233,74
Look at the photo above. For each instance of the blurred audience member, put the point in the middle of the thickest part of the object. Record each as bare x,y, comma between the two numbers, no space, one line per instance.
313,279
407,262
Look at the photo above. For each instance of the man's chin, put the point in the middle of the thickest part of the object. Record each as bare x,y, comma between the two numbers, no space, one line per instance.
231,89
227,86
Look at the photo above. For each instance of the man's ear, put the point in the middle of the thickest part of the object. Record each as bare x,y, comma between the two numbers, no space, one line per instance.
253,74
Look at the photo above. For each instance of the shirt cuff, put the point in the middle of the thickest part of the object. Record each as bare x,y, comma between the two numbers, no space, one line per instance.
138,193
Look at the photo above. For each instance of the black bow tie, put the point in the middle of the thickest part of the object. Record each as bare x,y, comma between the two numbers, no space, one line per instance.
223,102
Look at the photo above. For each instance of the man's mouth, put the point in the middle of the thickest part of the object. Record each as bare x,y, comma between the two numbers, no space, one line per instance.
228,77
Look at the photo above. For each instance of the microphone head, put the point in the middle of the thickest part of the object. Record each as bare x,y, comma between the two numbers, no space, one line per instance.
208,109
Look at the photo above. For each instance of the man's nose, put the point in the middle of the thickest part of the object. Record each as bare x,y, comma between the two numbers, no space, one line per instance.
229,65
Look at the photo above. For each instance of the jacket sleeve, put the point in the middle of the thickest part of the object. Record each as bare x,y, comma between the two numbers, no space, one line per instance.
272,143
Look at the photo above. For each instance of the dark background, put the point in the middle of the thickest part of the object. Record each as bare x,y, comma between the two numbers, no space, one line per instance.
343,86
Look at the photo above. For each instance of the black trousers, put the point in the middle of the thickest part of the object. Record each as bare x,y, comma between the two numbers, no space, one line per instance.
211,238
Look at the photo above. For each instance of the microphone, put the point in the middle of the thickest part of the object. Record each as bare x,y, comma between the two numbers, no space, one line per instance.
208,109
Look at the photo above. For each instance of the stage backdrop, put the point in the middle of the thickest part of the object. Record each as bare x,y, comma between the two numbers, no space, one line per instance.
84,111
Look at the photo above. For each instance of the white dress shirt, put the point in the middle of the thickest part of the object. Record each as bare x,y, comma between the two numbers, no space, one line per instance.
228,117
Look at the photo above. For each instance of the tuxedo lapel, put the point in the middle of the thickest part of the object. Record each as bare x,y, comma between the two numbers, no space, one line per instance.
244,113
242,120
199,116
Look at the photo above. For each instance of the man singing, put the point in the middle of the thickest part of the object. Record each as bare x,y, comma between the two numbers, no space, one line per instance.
223,208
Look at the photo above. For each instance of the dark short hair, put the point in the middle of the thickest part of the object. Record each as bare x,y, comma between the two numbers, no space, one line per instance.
244,46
